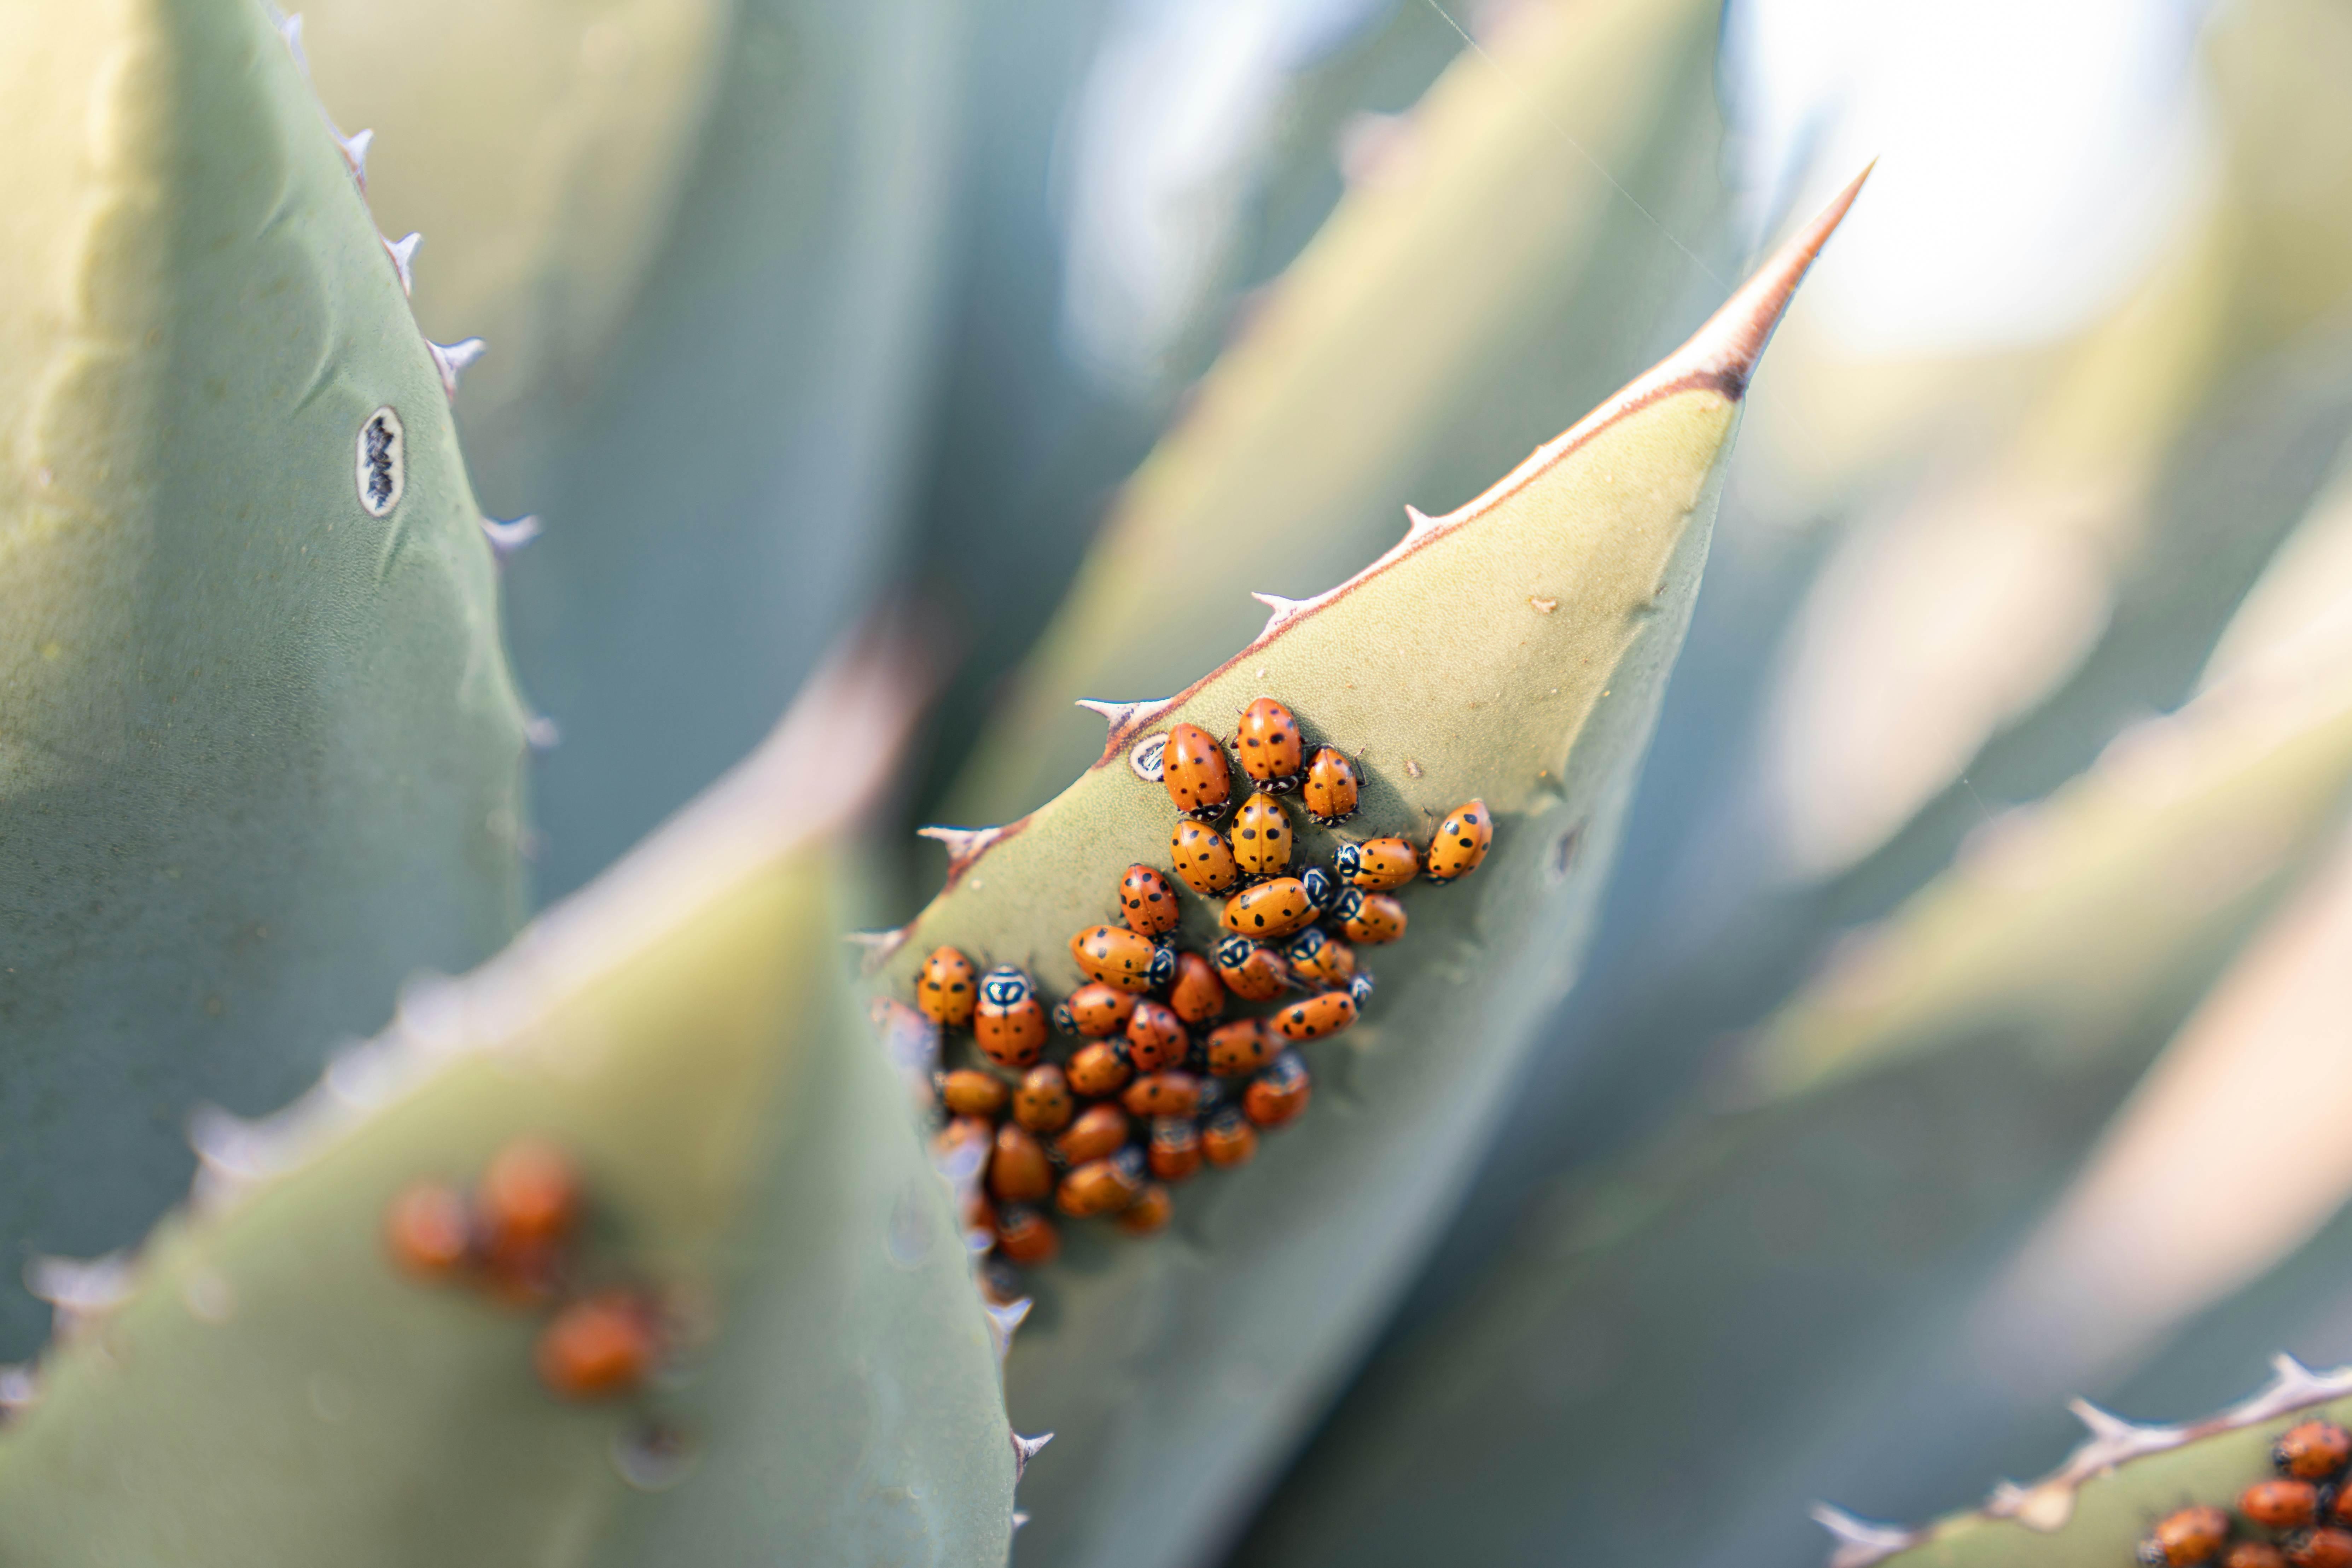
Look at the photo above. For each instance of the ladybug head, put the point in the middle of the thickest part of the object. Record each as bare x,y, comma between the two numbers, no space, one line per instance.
1062,1020
1004,986
1232,951
1360,988
1129,1163
1347,859
1309,942
1162,972
1347,905
1212,1098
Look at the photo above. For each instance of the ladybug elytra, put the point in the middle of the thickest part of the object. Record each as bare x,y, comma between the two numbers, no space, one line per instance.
1321,960
2185,1537
1229,1139
1260,838
1122,958
1101,1186
1149,1212
2312,1450
1018,1172
1026,1237
1100,1132
967,1091
603,1345
944,990
1009,1023
1156,1037
1269,910
1242,1047
1461,842
1276,1096
1196,993
1043,1103
1175,1154
1268,746
1329,793
1317,1016
1147,901
1376,865
1369,919
1202,858
1192,767
1163,1094
1100,1068
1250,972
1095,1010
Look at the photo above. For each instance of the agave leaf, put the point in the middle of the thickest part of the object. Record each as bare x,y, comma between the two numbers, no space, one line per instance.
259,752
1513,650
712,233
272,1388
1392,362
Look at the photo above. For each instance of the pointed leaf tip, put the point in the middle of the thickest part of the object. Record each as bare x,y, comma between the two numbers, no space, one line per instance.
1025,1449
1733,340
505,538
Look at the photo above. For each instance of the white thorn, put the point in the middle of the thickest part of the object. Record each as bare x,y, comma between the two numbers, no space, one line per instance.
403,252
1025,1449
1116,712
452,360
964,844
1417,522
290,29
20,1388
877,945
1019,1519
505,538
2291,1387
1284,609
354,149
1860,1542
542,733
1002,1322
79,1292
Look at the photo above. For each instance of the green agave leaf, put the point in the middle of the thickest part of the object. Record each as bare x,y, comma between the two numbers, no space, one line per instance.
259,752
1392,362
705,238
269,1388
1514,650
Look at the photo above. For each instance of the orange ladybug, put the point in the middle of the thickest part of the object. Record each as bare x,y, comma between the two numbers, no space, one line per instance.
1250,972
1147,901
2327,1547
1100,1068
1009,1023
1147,1212
2280,1505
604,1345
1043,1103
1196,993
1229,1139
1101,1186
975,1213
1260,838
967,1091
2255,1554
1175,1149
1369,919
1099,1132
1320,960
1163,1094
1193,767
1025,1236
1242,1047
1329,793
2185,1537
1018,1172
1122,958
529,1198
1202,858
1095,1010
1156,1037
429,1229
1276,1096
1269,910
1376,865
2312,1450
1268,746
1317,1016
1461,842
944,988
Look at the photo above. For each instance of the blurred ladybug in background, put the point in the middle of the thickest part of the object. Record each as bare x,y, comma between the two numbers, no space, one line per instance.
944,988
967,1091
1151,1211
1228,1139
1101,1132
1240,1048
1193,769
1369,919
1009,1023
1156,1037
1268,746
2312,1450
1321,960
1095,1010
1026,1237
1018,1172
2186,1537
1276,1096
1329,793
1101,1068
1175,1149
1043,1103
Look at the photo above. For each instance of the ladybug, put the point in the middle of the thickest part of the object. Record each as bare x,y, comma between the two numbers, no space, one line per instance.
1101,1186
529,1199
944,989
1250,972
2186,1536
1163,1094
1009,1023
2281,1505
1229,1139
1317,1016
1369,919
1123,959
1268,911
1461,842
1320,960
1376,865
1260,838
2327,1547
1156,1037
1330,791
1100,1068
1095,1010
429,1229
1276,1096
1026,1237
1242,1047
1147,1212
1018,1172
603,1345
1193,767
1268,746
1196,993
1147,901
2255,1554
1099,1132
967,1091
1175,1149
1043,1103
2311,1451
1202,858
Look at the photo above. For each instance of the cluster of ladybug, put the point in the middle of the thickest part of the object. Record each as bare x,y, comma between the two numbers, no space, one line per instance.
2302,1520
514,1238
1170,1087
